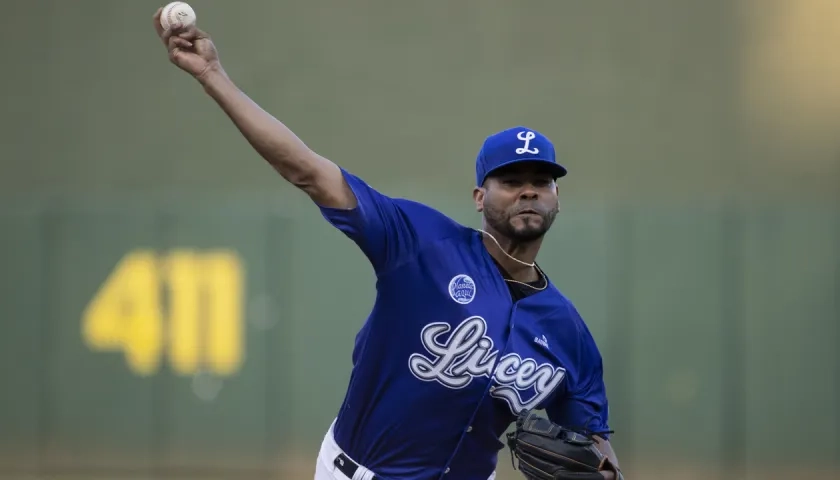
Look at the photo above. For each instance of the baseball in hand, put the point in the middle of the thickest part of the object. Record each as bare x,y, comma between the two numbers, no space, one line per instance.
177,12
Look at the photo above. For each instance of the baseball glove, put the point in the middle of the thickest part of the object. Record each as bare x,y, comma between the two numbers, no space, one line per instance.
547,451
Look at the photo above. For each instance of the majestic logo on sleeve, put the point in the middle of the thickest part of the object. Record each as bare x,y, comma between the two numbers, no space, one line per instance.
468,353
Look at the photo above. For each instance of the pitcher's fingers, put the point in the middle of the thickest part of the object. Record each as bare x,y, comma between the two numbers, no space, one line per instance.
175,41
156,20
178,42
189,33
199,33
173,31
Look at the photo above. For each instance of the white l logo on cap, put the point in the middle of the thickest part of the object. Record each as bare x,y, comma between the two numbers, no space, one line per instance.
526,137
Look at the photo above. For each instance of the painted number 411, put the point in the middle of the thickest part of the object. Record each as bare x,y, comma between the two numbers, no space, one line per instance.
185,305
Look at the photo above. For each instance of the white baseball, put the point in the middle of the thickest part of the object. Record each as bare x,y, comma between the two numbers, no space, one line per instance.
177,12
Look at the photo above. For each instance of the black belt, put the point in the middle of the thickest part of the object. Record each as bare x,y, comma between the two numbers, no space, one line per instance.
348,467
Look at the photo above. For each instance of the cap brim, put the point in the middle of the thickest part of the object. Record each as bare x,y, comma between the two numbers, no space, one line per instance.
556,170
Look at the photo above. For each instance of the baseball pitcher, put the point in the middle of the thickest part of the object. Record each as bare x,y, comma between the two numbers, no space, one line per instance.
467,335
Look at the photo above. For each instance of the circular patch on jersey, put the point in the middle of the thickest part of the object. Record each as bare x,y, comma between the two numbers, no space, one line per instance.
462,289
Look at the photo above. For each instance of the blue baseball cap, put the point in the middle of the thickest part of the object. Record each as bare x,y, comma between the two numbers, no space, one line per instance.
515,145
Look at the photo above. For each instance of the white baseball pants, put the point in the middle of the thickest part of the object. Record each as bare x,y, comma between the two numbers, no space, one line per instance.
325,469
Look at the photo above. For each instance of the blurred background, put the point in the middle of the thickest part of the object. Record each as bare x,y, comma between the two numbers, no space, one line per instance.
171,309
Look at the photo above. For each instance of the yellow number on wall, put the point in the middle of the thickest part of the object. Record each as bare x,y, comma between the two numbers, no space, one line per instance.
182,276
125,313
225,337
200,327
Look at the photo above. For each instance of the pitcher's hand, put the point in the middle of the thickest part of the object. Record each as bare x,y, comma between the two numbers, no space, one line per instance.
189,48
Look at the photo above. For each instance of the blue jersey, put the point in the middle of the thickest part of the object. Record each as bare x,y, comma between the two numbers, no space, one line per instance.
447,357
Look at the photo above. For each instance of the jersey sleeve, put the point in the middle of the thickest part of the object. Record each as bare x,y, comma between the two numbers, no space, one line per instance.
585,403
377,224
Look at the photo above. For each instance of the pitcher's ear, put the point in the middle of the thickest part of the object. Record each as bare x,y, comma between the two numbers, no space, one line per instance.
478,197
